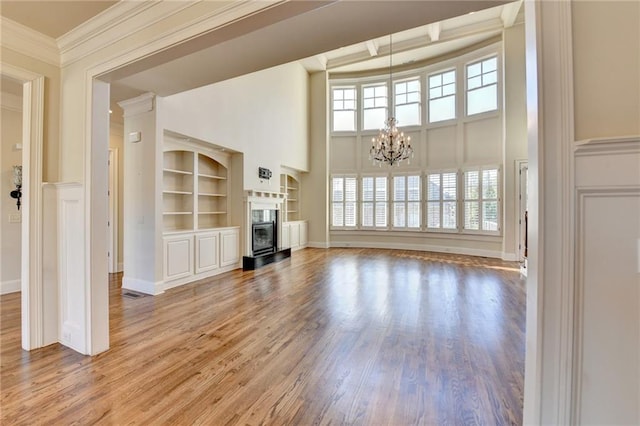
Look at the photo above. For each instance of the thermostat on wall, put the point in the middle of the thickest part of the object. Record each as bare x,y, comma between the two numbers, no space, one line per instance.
135,137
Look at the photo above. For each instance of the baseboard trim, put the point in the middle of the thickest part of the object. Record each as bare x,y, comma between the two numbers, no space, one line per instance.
420,247
10,286
321,245
142,286
509,257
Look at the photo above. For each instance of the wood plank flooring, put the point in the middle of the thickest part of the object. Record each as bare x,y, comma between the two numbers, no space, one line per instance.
338,336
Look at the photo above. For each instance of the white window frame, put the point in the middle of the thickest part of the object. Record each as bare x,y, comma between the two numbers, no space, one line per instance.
441,201
363,109
344,200
394,95
481,200
353,87
406,201
375,201
497,83
455,95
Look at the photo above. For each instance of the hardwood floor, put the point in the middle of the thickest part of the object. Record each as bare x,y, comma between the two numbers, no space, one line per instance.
338,336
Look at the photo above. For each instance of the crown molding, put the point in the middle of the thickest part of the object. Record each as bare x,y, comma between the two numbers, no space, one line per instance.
131,16
100,30
29,42
138,105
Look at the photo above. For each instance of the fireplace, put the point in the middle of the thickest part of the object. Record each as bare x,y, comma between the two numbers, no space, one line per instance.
264,238
263,228
264,231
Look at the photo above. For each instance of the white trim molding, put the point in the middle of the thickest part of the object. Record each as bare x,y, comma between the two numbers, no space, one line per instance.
128,17
33,308
143,286
28,42
418,247
10,286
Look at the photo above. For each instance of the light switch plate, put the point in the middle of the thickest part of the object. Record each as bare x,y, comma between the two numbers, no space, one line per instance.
15,218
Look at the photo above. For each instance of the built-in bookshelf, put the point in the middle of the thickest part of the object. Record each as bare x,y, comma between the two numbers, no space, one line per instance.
290,186
212,193
194,193
177,191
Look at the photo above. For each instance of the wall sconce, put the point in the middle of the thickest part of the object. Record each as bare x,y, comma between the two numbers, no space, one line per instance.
17,181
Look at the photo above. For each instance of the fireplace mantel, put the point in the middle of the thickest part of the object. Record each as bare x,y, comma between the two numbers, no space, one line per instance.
261,200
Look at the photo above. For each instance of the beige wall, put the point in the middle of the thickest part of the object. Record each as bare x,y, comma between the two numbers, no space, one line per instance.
11,236
606,68
51,165
115,141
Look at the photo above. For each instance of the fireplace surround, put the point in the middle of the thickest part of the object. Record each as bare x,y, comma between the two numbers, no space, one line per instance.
263,229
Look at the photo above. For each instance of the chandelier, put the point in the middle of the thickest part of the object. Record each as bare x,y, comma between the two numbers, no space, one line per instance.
390,146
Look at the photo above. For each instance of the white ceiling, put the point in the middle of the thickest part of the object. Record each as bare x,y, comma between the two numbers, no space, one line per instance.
339,36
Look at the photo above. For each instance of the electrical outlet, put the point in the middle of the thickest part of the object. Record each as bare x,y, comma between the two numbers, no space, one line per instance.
15,218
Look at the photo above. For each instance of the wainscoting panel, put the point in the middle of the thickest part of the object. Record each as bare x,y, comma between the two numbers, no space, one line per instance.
71,248
607,282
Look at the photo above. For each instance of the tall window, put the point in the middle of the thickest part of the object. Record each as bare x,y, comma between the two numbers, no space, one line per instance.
407,102
374,201
343,201
406,201
442,96
482,86
374,106
442,200
344,109
481,200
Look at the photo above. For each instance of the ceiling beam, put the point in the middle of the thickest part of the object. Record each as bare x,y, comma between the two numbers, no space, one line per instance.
510,13
434,31
372,46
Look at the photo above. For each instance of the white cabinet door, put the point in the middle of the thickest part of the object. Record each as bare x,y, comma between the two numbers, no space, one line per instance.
229,247
295,234
304,238
207,251
178,256
286,238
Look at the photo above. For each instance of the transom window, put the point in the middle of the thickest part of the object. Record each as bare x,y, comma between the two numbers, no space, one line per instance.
343,201
442,96
481,200
374,201
344,108
442,200
407,102
482,86
406,201
374,106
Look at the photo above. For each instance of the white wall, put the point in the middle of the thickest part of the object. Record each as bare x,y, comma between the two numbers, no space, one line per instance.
11,233
490,139
263,115
515,133
142,218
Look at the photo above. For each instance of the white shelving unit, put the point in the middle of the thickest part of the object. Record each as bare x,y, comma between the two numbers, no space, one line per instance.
290,186
294,229
198,240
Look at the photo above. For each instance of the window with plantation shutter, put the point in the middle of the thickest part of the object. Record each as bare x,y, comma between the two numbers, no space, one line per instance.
343,201
406,201
374,201
481,200
442,200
